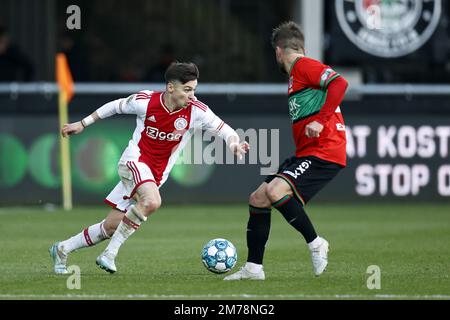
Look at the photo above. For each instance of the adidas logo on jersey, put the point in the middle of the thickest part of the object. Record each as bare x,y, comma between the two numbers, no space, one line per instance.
151,118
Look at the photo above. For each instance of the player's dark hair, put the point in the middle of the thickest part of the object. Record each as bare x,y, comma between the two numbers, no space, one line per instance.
288,35
182,72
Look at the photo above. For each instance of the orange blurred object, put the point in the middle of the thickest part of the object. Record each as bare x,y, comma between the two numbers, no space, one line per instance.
64,76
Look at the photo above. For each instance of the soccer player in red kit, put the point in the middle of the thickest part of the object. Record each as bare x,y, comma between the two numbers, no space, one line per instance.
315,92
165,121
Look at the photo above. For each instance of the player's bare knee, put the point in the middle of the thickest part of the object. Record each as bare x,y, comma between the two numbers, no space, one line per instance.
259,200
277,190
253,199
149,205
273,194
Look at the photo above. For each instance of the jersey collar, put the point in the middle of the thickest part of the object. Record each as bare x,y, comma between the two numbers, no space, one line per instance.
293,64
165,107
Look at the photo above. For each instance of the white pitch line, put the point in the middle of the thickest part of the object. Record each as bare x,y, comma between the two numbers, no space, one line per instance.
224,296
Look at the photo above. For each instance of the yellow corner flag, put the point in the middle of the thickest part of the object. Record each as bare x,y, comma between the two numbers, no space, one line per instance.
65,83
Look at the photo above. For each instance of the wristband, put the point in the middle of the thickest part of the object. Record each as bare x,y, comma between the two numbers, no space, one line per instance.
87,121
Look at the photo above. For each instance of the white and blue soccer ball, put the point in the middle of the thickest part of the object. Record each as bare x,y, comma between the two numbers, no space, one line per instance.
219,255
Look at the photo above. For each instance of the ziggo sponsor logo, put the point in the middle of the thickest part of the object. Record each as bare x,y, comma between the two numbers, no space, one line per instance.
154,133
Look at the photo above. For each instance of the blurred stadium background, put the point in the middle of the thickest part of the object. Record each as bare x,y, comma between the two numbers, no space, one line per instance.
397,109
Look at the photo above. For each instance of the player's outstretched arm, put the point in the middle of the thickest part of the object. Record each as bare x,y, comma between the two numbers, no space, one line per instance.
127,105
77,127
214,124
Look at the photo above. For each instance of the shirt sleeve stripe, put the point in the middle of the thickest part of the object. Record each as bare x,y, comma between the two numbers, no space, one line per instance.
220,126
325,76
331,79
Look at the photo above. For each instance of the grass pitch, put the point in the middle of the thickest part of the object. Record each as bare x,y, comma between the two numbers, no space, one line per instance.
409,243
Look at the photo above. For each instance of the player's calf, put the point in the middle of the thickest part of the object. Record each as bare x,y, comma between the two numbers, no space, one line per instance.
112,221
88,237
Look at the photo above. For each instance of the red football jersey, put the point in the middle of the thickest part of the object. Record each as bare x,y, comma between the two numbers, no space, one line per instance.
160,135
308,82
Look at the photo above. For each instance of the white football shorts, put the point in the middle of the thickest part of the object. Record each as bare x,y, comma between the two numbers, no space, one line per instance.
132,174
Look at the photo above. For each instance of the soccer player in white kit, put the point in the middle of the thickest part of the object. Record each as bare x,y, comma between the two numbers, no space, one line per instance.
165,121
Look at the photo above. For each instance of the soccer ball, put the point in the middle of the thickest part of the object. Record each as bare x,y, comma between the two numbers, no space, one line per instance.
219,255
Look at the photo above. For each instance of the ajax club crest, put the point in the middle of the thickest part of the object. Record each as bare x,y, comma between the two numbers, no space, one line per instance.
180,124
388,28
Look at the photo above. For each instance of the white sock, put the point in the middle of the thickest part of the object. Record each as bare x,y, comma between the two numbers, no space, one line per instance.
317,242
86,238
253,267
129,224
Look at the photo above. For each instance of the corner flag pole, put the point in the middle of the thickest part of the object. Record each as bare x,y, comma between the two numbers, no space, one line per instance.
65,82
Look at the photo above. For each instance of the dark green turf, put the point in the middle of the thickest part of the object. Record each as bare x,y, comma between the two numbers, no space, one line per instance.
410,244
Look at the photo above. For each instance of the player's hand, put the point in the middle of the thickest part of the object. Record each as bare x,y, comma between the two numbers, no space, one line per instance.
71,128
313,129
239,149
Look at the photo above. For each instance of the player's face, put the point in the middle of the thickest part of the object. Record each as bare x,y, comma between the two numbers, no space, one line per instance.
183,93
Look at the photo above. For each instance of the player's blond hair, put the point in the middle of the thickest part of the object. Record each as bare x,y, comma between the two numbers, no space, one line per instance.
288,35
